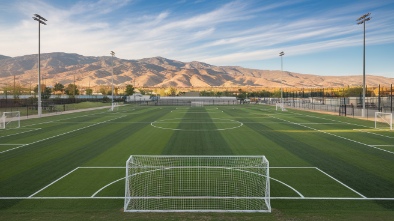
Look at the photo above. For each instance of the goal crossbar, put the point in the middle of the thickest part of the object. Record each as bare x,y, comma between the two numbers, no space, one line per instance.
383,118
280,106
197,103
10,120
197,184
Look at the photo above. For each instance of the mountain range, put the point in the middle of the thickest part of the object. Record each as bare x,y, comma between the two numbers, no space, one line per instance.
89,71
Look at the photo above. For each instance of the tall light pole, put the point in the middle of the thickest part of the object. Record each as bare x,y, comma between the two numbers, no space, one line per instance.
281,80
112,105
362,20
40,20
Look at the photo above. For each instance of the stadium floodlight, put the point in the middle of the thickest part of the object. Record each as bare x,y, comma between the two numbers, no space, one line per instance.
197,184
112,105
362,20
281,79
10,120
40,21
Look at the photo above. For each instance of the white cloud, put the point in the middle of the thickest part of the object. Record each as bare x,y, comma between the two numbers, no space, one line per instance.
225,34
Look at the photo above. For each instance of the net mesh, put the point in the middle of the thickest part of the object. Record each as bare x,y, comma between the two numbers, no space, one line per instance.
383,120
191,183
197,104
10,120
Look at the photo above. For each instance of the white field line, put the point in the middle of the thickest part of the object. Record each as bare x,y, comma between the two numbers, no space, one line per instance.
275,122
318,123
11,144
290,187
94,195
71,131
341,183
218,129
109,184
302,196
102,167
53,182
128,122
305,115
328,198
122,198
292,167
373,133
325,132
383,145
52,121
33,129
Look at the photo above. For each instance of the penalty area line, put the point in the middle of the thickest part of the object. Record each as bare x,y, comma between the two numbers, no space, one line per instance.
53,182
341,183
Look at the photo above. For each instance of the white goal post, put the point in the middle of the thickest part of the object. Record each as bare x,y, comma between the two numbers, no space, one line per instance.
10,120
197,104
197,184
280,106
383,120
114,106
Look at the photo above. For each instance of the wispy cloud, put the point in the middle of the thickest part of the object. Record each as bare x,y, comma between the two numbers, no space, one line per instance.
217,33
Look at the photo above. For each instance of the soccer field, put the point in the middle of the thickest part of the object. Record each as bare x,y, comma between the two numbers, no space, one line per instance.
72,166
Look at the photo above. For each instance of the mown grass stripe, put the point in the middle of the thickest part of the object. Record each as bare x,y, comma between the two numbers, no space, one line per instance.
201,140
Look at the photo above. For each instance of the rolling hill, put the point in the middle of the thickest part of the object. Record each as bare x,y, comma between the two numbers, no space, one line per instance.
160,72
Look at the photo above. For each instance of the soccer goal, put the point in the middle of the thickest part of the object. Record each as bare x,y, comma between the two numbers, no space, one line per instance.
10,120
114,107
383,120
197,104
280,106
197,184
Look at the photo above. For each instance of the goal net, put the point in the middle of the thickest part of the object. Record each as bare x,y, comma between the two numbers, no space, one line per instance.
197,104
10,120
280,106
197,184
114,106
383,120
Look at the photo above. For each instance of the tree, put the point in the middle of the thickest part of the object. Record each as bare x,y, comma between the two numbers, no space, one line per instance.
172,91
72,90
15,90
103,90
89,91
58,87
45,91
129,90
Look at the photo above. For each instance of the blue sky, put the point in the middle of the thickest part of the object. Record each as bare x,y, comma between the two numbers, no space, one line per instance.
318,36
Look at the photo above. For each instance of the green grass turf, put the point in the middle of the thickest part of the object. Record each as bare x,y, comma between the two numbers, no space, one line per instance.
47,149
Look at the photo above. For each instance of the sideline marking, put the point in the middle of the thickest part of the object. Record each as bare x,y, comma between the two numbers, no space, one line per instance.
71,131
383,145
11,144
32,129
321,131
373,133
